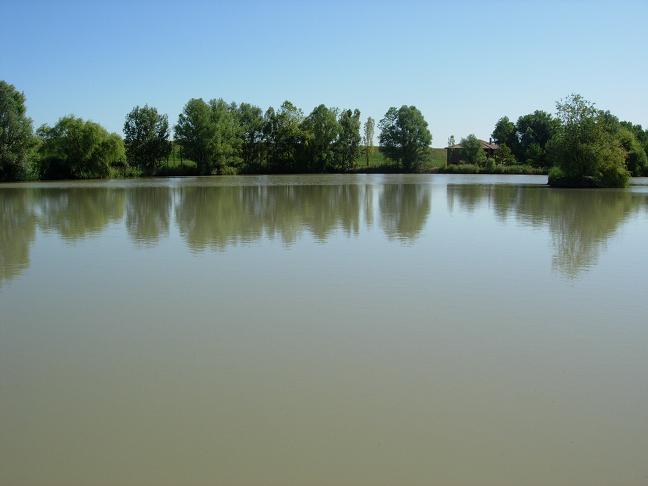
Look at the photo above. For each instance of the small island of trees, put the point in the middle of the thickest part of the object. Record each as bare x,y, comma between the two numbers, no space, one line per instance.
581,146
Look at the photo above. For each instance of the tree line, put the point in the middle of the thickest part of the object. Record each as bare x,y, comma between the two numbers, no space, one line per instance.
219,137
579,146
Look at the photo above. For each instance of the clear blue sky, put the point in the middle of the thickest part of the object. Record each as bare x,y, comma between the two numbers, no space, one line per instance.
463,63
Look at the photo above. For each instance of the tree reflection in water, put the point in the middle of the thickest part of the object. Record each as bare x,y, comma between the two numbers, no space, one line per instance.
580,221
216,216
17,232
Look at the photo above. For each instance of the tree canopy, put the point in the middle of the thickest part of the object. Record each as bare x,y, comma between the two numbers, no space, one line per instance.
78,149
347,145
405,137
320,130
16,135
527,139
587,149
146,138
472,150
210,134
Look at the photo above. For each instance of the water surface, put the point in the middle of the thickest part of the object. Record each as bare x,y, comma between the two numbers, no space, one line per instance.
323,330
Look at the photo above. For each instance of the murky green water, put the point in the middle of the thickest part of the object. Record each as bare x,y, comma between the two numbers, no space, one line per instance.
324,330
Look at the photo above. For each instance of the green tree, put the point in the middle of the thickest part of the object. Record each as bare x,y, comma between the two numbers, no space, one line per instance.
195,133
405,137
368,137
320,130
505,133
16,135
228,137
283,138
146,138
636,160
472,151
347,145
78,149
586,151
534,132
210,134
504,155
639,132
250,119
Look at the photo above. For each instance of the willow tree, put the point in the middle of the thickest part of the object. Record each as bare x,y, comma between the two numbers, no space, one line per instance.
78,149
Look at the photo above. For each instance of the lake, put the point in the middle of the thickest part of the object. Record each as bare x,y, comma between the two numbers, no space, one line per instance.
323,330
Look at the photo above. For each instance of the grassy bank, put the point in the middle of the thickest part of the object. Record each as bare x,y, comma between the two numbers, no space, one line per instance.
497,169
376,163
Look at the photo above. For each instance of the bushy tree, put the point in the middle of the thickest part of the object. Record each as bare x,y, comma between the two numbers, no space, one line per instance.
320,129
405,137
283,138
505,133
472,151
587,152
146,138
210,134
527,138
639,132
195,133
250,119
534,132
347,145
636,160
228,137
16,136
504,155
78,149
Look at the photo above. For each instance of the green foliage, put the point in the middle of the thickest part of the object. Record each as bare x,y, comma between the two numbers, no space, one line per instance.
586,149
534,132
505,133
368,137
320,130
250,119
347,145
527,138
639,133
636,161
146,138
78,149
405,137
195,133
16,136
504,155
283,137
472,151
228,140
210,134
